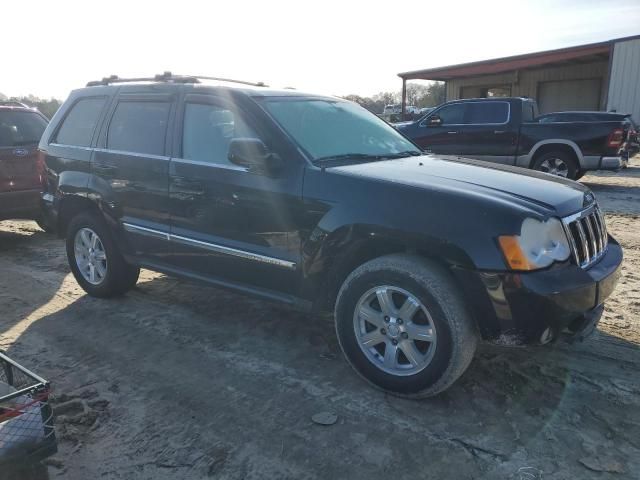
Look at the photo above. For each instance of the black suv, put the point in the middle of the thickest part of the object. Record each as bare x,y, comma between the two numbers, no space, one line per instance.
315,202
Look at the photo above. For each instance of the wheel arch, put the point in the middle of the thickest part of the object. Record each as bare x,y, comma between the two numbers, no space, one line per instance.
352,246
545,146
69,206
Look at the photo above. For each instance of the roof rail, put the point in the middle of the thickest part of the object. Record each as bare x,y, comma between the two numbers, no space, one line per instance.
13,103
169,78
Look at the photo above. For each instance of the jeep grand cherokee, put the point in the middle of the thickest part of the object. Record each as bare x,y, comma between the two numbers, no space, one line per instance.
315,202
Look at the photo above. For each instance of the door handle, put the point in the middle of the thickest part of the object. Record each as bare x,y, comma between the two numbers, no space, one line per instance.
452,133
192,186
498,132
105,168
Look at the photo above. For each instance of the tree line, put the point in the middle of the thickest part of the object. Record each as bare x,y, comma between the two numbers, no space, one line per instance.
418,95
46,106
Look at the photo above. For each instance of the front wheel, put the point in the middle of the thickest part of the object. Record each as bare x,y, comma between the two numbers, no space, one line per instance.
95,261
402,326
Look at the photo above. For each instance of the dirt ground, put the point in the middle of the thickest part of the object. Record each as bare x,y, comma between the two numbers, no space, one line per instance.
176,381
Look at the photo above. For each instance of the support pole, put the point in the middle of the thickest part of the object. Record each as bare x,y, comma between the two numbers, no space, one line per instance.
404,99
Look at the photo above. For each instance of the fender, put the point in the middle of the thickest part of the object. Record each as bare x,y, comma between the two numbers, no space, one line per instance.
335,249
526,160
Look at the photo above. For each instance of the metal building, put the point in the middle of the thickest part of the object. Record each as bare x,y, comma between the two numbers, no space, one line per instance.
597,76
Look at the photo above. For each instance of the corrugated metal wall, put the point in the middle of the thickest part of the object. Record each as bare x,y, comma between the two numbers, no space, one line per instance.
525,82
624,84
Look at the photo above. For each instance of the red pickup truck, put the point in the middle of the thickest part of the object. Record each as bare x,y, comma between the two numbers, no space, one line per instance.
21,172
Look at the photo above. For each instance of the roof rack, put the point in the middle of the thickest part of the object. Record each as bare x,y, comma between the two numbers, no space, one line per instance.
169,78
13,103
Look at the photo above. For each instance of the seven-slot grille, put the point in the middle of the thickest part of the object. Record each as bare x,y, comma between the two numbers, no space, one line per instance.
587,235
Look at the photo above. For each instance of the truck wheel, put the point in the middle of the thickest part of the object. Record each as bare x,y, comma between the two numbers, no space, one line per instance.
403,327
95,261
557,163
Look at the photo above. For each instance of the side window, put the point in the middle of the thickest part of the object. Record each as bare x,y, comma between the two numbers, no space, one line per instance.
78,126
452,114
208,130
487,112
138,126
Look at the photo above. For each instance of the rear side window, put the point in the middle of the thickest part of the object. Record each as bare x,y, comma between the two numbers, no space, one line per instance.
487,112
139,127
78,126
20,128
527,112
208,130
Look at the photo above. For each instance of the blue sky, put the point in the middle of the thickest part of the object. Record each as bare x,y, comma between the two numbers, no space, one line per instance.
329,46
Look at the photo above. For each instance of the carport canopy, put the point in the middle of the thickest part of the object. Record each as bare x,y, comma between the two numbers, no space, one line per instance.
579,54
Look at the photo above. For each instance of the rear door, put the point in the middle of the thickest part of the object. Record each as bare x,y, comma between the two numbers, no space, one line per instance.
20,132
445,137
132,166
488,133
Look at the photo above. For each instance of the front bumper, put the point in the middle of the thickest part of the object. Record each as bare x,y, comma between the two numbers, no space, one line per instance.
537,307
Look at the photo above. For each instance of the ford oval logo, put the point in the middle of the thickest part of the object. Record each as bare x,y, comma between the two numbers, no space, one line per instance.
21,152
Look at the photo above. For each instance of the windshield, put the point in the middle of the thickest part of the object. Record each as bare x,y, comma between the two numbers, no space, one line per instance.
327,128
20,128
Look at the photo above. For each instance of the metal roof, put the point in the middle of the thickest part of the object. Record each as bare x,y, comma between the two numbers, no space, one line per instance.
577,54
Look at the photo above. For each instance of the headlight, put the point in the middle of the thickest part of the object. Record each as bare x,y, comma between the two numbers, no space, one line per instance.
538,245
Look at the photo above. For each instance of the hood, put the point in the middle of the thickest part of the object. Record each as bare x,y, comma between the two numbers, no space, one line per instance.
527,188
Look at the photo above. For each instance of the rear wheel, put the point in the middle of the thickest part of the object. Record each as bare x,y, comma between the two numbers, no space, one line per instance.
45,226
95,261
403,326
557,163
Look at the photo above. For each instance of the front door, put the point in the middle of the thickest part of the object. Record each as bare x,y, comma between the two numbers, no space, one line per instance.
133,170
230,224
446,137
489,134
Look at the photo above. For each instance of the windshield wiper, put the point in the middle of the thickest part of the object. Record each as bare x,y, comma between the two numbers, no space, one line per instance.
366,156
406,153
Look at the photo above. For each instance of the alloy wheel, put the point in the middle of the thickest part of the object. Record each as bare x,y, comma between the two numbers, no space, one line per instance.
91,257
394,330
555,166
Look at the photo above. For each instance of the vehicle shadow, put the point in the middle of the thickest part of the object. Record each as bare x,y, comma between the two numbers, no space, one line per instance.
21,295
248,375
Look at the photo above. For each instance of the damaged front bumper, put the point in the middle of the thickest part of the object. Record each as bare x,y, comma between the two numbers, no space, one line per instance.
539,307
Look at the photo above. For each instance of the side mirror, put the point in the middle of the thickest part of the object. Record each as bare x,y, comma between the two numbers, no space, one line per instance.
253,154
434,121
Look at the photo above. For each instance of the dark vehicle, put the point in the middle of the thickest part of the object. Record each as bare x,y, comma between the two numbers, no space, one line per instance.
505,130
21,172
631,130
316,202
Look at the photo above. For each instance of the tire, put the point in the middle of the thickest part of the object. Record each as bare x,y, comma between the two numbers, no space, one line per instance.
580,174
557,163
441,314
44,226
112,275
